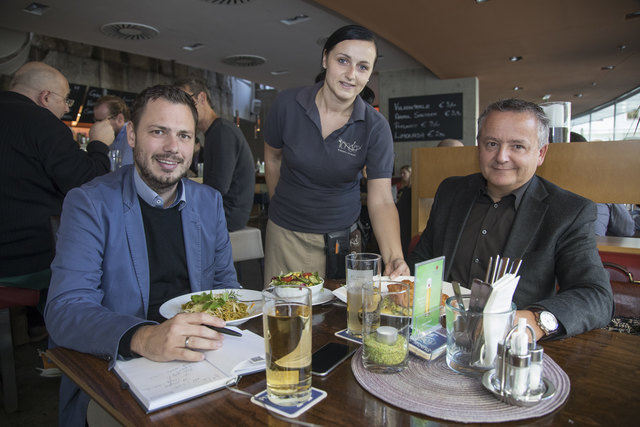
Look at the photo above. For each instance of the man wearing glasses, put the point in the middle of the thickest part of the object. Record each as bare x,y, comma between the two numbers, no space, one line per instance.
39,163
113,109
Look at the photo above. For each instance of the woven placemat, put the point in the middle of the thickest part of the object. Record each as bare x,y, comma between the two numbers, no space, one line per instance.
433,389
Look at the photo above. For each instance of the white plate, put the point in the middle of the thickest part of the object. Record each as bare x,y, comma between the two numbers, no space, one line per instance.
323,296
174,306
341,292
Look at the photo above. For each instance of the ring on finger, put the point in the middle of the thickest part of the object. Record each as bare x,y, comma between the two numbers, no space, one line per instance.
186,342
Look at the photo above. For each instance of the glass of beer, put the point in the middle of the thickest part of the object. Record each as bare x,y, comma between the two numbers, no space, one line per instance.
361,268
287,339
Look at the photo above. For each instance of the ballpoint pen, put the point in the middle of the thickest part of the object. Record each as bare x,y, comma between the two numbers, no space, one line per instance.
224,330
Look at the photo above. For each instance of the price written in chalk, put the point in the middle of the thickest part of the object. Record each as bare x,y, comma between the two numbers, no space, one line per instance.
428,117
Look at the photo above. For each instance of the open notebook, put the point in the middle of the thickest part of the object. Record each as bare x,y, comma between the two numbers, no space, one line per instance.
160,384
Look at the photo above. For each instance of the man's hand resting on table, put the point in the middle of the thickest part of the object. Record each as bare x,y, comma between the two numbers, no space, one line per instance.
167,341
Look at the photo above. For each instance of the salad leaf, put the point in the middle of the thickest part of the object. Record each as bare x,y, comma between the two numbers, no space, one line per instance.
297,278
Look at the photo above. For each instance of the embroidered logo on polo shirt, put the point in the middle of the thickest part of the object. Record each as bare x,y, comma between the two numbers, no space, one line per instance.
350,149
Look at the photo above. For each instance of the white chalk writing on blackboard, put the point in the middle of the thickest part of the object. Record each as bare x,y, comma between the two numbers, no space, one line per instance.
427,117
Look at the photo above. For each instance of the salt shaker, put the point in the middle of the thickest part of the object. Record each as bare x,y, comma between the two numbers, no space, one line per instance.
535,370
518,362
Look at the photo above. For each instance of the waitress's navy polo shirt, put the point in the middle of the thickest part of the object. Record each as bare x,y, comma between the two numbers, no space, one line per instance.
319,190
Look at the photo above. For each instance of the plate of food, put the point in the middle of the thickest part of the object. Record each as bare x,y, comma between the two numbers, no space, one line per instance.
311,280
447,289
235,306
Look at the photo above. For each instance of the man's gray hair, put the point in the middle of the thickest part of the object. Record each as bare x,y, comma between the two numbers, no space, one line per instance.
520,106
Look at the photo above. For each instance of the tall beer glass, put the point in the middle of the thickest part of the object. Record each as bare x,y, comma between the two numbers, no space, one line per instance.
361,268
287,339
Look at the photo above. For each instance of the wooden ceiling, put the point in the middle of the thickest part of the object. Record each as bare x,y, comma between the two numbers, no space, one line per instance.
564,44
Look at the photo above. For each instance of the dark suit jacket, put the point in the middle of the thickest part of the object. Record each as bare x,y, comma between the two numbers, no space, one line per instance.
553,234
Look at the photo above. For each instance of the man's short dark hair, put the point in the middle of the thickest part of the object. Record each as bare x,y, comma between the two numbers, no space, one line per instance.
196,85
169,93
115,105
514,105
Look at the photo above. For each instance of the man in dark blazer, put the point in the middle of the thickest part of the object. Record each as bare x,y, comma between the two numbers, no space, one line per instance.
509,211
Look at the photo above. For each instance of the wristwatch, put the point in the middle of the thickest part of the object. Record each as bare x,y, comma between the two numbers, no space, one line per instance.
547,322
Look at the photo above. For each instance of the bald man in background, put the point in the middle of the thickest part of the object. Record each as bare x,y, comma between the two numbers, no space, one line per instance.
450,143
39,163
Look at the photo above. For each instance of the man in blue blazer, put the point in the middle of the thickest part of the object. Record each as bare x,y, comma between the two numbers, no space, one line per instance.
509,211
133,239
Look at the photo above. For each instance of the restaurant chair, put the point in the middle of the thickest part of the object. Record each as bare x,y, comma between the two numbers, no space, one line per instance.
625,288
11,297
246,245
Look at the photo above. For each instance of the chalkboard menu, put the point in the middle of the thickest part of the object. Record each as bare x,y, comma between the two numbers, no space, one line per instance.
77,94
425,118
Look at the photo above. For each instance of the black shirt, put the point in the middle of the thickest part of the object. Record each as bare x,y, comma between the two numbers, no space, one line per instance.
168,274
485,234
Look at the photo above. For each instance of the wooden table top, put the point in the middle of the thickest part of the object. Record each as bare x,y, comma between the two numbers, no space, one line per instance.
603,366
625,245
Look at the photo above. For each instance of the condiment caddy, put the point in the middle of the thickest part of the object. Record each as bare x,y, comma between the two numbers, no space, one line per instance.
517,378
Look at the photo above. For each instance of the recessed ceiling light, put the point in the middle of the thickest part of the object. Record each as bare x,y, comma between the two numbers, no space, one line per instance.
518,88
36,9
296,19
481,1
546,97
515,58
193,47
608,68
594,84
578,95
279,72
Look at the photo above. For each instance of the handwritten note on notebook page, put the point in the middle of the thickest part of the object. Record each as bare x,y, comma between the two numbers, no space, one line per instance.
160,384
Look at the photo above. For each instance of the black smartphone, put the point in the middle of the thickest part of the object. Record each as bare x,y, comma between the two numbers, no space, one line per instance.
329,356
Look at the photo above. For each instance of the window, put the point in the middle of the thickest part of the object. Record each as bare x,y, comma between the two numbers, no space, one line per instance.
613,121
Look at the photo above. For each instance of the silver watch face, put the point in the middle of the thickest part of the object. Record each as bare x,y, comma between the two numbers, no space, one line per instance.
549,321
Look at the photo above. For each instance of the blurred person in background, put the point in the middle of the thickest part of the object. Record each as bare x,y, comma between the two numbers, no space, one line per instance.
114,110
39,163
228,162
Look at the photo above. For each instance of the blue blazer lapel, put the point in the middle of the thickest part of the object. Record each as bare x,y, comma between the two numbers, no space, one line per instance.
192,232
136,239
528,220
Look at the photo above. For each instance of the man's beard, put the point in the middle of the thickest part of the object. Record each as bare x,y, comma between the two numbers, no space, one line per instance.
159,185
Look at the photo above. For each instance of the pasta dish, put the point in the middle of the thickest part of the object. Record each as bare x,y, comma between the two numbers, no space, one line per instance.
225,305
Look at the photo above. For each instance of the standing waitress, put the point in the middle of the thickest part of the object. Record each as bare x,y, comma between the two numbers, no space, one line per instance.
317,140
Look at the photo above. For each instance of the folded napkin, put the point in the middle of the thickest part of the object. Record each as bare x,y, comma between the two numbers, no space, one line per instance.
495,327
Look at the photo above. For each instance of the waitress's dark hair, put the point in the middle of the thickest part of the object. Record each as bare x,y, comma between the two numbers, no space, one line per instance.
348,32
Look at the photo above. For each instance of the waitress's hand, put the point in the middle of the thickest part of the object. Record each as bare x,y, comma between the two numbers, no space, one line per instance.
395,268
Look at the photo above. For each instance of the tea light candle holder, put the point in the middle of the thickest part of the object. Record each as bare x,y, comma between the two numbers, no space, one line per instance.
387,335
